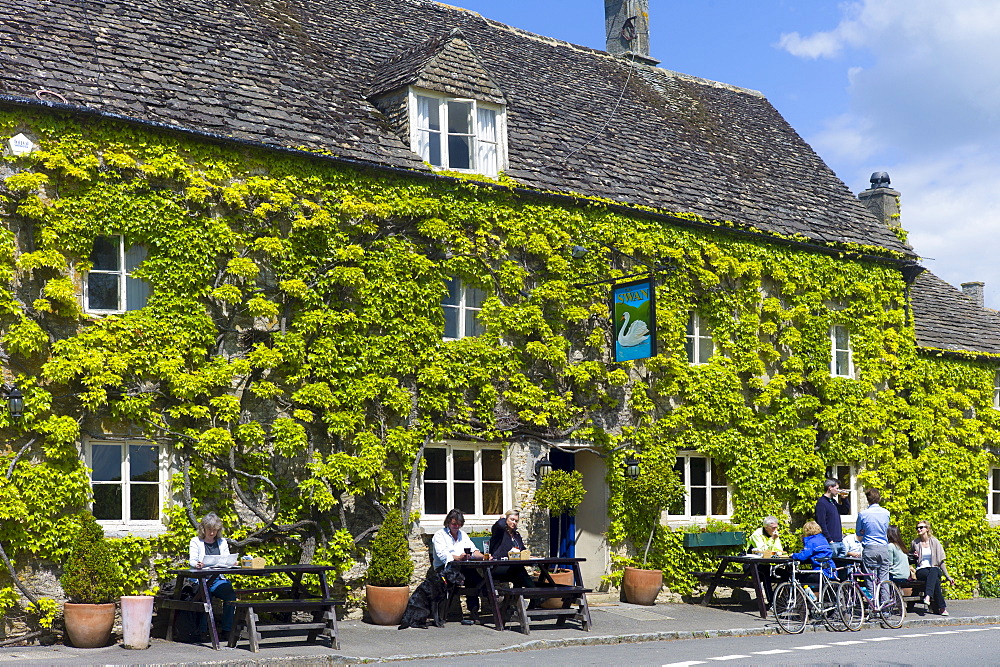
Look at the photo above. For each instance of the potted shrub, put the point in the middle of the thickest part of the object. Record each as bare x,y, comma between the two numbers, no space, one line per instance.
561,492
389,571
92,581
655,489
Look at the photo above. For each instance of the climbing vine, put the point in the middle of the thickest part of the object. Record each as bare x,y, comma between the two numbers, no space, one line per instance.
290,353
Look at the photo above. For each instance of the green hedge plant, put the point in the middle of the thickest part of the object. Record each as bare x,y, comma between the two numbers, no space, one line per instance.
390,563
92,575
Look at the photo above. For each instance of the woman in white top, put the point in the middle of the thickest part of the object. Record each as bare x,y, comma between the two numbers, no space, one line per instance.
210,542
930,566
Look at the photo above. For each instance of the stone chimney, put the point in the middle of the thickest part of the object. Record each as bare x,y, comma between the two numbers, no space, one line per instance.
881,200
626,23
975,291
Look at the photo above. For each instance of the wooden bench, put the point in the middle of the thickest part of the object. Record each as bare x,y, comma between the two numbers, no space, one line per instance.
324,619
516,600
727,579
917,590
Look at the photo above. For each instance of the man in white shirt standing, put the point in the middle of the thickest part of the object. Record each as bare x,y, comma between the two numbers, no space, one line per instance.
449,547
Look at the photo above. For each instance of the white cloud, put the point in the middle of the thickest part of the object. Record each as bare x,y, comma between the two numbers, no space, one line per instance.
924,87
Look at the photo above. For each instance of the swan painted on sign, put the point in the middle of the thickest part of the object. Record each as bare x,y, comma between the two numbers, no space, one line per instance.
637,334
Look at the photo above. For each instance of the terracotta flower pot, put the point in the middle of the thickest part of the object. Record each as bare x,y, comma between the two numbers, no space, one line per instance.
563,577
89,625
641,586
386,604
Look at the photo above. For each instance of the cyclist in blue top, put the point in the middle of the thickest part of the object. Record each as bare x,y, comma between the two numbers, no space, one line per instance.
816,549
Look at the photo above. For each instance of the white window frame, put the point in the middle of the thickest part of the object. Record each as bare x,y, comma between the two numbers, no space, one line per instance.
462,308
687,516
126,523
834,350
123,277
697,336
432,520
480,137
996,390
850,484
993,495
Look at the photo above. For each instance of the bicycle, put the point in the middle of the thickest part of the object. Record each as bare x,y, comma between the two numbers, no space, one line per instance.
795,603
883,601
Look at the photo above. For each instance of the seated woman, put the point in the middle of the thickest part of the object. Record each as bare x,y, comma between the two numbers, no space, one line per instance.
210,542
816,549
930,567
504,538
763,539
899,563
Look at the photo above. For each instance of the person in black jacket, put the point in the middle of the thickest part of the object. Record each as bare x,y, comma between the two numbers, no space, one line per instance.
504,537
828,510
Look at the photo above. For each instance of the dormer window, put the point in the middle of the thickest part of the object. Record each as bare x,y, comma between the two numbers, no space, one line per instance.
457,134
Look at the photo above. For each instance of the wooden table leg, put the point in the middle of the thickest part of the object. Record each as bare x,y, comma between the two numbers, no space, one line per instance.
584,606
178,592
759,586
714,583
329,613
491,594
207,597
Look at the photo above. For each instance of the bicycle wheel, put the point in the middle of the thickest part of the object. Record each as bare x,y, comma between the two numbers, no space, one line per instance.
851,603
891,606
830,607
790,608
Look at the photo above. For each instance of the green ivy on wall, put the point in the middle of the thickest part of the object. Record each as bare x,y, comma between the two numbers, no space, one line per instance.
291,349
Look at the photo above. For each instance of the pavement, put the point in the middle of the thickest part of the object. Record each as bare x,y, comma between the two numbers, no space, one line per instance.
614,622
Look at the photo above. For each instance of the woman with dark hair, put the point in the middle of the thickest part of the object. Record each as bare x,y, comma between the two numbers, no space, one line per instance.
210,542
899,563
930,567
505,538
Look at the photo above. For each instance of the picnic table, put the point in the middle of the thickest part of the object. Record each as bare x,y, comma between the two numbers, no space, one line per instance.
741,580
295,598
504,599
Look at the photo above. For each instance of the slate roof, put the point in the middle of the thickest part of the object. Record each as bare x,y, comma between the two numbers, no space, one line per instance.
296,74
946,319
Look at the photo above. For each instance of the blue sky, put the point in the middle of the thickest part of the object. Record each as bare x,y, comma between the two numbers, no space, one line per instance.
911,87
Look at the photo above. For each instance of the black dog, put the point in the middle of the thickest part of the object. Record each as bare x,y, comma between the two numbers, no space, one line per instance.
430,598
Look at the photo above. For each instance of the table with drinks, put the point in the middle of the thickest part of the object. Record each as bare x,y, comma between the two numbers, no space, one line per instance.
503,599
755,563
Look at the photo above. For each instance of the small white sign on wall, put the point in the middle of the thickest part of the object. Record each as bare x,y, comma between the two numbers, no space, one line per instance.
20,145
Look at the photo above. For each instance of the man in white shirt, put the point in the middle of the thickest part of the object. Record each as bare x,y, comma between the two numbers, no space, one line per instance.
450,546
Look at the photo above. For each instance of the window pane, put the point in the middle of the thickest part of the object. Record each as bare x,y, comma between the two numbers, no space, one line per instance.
428,113
465,464
435,498
704,350
105,255
493,499
134,256
492,468
473,327
437,461
451,322
434,149
106,460
699,471
487,125
102,291
718,475
459,152
720,505
454,296
842,365
465,497
699,502
679,468
108,502
840,335
136,293
689,350
474,297
459,117
144,465
690,325
996,479
144,503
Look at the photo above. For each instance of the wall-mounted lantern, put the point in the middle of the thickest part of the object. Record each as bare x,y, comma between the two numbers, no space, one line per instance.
15,400
632,468
543,467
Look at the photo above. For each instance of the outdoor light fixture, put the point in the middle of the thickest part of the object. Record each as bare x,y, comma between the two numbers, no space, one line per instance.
632,468
543,467
578,252
15,400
